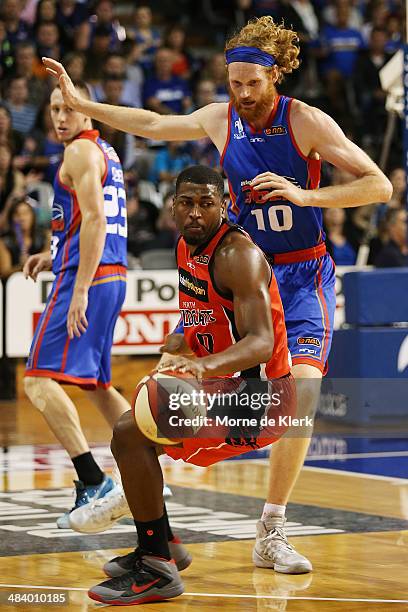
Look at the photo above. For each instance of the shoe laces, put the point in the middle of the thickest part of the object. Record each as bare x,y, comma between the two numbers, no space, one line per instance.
103,504
275,535
123,581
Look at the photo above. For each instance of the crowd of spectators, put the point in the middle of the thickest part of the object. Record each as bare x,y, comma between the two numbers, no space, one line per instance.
168,57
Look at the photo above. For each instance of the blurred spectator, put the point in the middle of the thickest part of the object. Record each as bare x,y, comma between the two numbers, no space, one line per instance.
6,51
337,244
22,239
146,37
376,19
74,63
394,27
23,114
48,41
399,191
142,218
203,151
395,252
354,19
104,18
8,136
216,71
46,10
175,39
71,18
28,12
369,95
164,93
167,232
169,162
96,56
112,90
42,150
28,66
358,225
115,68
11,183
340,46
17,29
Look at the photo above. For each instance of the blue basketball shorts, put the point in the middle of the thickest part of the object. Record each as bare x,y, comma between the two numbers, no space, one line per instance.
83,361
307,290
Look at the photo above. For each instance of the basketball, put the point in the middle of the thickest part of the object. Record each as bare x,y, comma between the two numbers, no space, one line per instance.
167,407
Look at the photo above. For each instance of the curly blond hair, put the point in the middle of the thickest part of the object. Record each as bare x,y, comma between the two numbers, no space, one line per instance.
273,38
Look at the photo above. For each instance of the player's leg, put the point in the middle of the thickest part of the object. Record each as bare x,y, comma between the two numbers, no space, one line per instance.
308,297
47,365
154,576
110,403
285,462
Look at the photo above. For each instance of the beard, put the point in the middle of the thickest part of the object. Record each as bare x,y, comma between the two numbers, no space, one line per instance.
262,107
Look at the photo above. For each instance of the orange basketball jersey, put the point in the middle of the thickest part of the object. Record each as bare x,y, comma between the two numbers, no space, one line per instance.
208,315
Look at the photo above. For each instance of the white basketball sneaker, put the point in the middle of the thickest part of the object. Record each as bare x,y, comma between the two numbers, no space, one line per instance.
273,550
96,517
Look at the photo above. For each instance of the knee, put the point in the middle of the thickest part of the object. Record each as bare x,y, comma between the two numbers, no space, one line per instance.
125,433
36,389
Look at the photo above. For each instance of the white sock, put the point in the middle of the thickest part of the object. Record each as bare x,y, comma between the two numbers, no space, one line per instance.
274,509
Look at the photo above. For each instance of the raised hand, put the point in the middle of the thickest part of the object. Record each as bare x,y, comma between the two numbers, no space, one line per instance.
68,90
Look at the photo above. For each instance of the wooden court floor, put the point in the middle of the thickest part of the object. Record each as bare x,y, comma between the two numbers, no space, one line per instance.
352,527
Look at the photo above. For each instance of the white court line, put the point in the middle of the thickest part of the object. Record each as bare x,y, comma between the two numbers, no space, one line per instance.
310,468
373,455
227,595
391,479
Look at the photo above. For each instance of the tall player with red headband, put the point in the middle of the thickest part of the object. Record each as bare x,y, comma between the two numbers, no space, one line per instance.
271,149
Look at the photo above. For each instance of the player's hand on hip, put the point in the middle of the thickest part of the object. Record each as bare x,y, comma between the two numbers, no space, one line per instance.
183,365
35,264
279,188
58,71
77,322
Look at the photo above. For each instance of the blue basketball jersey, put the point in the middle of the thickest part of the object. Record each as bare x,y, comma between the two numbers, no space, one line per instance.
66,215
277,226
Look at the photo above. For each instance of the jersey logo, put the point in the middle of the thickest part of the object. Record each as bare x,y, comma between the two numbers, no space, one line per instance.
194,318
57,222
194,287
202,259
257,139
276,130
239,131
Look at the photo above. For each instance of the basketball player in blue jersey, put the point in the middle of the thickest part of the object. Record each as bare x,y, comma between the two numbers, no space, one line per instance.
73,338
271,148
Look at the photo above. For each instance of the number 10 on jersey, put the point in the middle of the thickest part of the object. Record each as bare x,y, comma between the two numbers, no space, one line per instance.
279,218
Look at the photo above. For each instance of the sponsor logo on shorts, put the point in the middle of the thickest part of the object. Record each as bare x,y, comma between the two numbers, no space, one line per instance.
310,341
194,287
276,130
308,351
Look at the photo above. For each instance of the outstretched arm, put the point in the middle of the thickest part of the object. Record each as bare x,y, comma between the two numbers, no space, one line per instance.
136,121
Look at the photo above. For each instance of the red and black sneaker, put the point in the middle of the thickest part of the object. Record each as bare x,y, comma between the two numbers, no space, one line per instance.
120,565
151,579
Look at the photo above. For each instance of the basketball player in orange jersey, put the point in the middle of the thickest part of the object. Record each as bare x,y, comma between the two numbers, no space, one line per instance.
233,323
271,148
